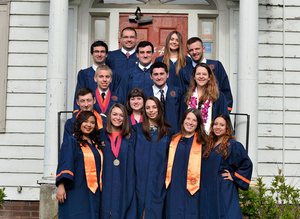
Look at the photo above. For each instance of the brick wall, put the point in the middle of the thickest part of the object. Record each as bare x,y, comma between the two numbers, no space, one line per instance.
20,210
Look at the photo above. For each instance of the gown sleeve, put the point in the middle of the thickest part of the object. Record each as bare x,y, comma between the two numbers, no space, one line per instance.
241,165
65,168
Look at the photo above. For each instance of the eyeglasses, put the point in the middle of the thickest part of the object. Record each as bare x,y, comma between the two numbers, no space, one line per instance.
127,37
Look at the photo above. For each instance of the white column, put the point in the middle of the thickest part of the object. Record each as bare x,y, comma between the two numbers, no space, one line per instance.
56,82
247,78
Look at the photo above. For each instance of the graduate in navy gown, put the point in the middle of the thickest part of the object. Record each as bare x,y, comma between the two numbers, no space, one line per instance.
79,171
169,95
184,164
151,160
105,98
135,105
225,168
85,77
85,99
196,49
139,75
204,95
174,57
118,194
125,58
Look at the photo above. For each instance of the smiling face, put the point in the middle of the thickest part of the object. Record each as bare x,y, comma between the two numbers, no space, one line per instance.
88,126
201,76
86,102
159,77
136,103
103,79
196,51
145,55
128,40
99,55
219,127
190,124
151,109
174,42
117,117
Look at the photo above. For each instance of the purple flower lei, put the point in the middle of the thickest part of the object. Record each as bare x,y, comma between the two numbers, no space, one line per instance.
204,110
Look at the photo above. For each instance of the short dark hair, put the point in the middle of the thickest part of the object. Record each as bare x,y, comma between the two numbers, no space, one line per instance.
143,44
84,91
193,40
135,92
129,28
99,43
158,65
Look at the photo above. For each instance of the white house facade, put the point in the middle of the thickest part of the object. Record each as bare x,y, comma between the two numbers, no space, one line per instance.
43,44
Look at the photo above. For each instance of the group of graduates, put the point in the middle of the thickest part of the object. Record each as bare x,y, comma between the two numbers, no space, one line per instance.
151,140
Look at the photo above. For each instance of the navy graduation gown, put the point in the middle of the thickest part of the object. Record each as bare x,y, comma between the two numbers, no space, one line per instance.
150,165
173,79
219,107
172,105
220,74
119,63
179,202
80,202
118,193
85,78
114,98
219,198
134,78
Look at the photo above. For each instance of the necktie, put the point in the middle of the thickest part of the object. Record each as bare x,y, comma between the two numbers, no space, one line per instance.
127,54
162,99
145,69
103,95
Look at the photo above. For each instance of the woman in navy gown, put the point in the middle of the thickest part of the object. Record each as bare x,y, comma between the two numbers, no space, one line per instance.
225,168
184,165
79,171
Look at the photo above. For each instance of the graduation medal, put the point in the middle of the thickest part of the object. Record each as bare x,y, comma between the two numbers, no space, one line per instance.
116,162
115,148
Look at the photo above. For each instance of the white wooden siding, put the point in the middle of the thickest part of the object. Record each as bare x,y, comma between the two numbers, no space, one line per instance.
279,97
22,145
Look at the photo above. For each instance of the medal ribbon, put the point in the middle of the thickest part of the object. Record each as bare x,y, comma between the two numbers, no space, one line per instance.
133,122
90,168
103,104
115,148
194,166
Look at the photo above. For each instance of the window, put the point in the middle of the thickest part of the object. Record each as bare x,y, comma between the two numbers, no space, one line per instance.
207,33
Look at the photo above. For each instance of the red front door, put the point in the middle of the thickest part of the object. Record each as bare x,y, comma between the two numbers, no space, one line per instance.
157,31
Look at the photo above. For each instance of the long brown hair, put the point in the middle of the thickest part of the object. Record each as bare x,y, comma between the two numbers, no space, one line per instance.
211,89
125,127
200,130
162,125
181,60
212,138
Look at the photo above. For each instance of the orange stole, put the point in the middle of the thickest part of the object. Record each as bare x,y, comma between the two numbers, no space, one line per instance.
194,166
90,168
98,117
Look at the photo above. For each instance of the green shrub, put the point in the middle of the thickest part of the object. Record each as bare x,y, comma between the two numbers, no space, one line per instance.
278,201
2,196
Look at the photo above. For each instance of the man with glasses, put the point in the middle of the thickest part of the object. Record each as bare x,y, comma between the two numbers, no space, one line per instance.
125,58
85,77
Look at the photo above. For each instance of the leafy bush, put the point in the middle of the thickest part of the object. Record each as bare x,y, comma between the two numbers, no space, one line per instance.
2,196
278,201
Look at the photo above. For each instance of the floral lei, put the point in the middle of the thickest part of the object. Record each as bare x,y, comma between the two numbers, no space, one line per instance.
204,107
